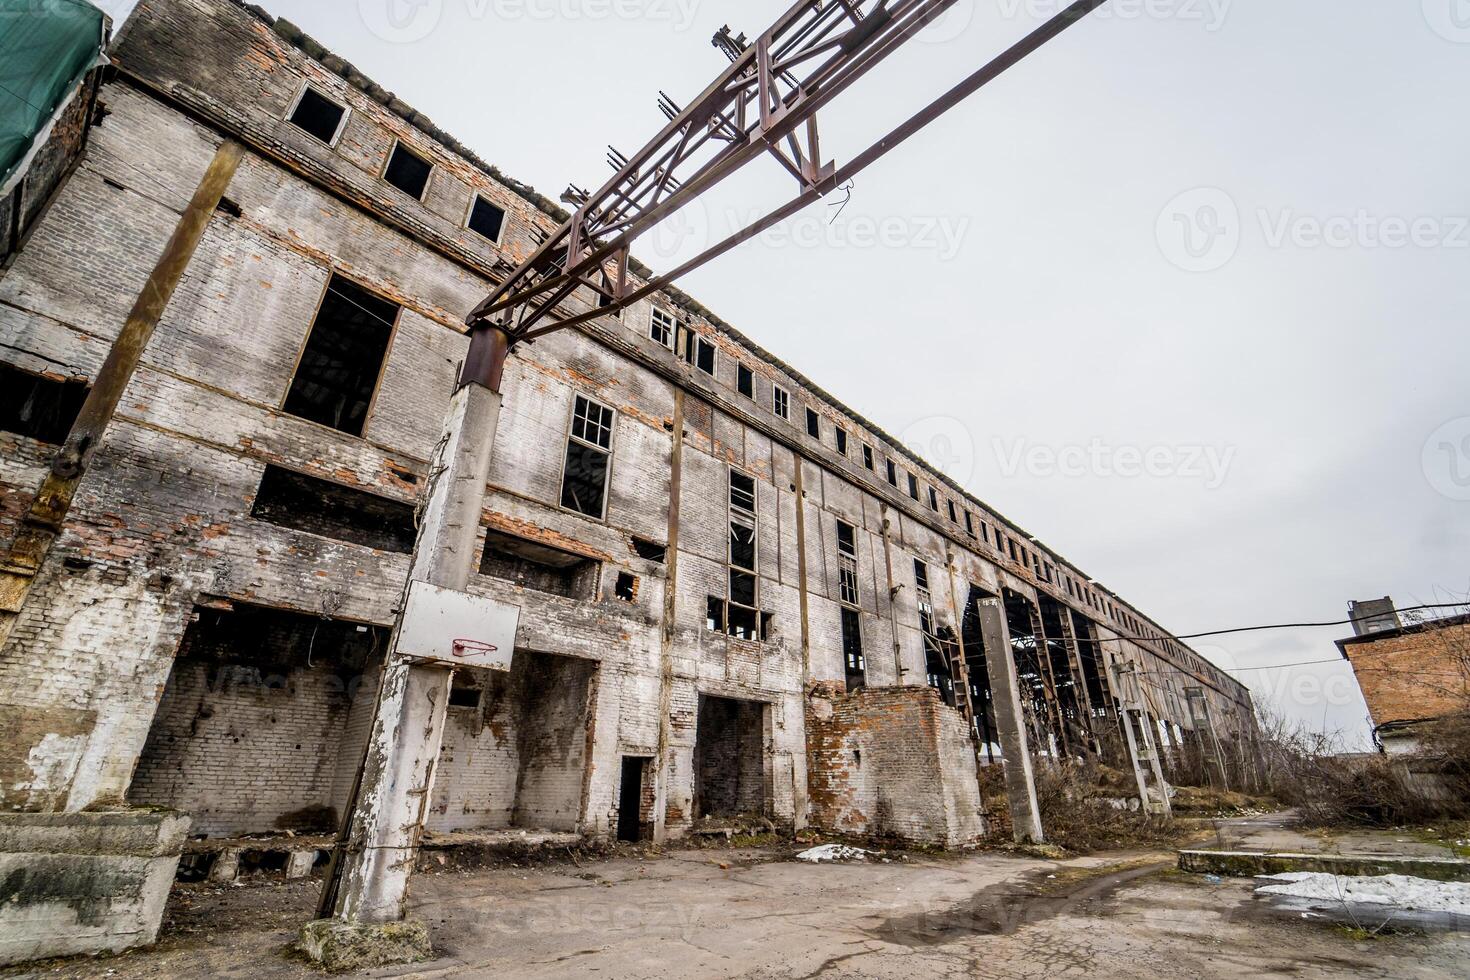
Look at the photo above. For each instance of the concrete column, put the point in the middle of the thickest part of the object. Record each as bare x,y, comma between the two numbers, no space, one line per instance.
661,761
408,727
1005,693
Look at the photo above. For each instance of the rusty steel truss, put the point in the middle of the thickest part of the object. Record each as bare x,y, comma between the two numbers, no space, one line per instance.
765,103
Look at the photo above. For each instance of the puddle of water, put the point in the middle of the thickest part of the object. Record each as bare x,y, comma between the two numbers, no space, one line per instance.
1001,909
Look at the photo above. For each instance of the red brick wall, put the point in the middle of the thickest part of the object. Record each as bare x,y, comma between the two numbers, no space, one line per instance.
891,761
1414,675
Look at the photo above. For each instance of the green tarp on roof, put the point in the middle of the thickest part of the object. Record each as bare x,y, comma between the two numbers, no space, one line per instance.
46,46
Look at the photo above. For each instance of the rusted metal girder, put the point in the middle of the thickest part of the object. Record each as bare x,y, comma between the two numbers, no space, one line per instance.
771,92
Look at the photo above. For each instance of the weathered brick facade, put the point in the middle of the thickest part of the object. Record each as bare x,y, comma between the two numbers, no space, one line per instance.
1413,673
100,703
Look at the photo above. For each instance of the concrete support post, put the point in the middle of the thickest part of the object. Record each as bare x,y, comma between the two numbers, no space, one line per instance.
661,761
397,777
1005,692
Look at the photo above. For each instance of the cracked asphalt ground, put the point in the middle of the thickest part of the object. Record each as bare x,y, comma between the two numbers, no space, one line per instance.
763,916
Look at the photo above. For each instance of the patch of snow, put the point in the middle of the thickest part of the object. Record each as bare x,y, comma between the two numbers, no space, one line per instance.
832,852
1396,891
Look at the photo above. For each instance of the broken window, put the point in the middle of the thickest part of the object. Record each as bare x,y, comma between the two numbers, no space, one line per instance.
318,115
892,473
38,407
813,424
953,515
969,524
855,666
661,327
841,441
913,486
589,456
868,457
933,499
343,358
847,563
742,613
540,567
626,588
697,350
781,402
486,219
650,550
926,605
714,614
304,503
745,381
408,171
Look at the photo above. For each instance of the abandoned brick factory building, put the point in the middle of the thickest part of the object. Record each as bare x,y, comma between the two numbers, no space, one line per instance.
738,598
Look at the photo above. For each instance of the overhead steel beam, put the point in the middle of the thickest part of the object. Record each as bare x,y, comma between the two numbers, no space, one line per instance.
773,88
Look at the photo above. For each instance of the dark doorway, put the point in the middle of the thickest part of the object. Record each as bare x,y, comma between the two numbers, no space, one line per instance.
631,823
729,758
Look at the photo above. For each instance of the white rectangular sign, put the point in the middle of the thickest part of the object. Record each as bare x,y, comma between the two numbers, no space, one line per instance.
457,628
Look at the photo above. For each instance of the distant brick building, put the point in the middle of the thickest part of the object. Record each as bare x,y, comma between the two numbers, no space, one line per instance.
1409,673
711,554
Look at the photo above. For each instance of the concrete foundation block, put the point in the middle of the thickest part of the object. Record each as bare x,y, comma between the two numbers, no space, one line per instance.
340,946
85,883
300,863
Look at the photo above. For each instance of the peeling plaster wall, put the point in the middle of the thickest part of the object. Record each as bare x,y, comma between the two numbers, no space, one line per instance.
162,519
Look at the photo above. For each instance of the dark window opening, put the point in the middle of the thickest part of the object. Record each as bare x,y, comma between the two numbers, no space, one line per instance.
868,457
714,614
318,115
539,567
813,424
486,219
584,484
465,690
584,477
743,623
37,407
855,666
913,486
343,359
304,503
892,473
742,588
933,499
627,587
745,381
954,516
841,441
969,524
650,550
408,172
742,491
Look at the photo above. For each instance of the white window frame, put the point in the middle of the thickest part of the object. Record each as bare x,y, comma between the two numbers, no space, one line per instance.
296,104
610,449
671,321
781,402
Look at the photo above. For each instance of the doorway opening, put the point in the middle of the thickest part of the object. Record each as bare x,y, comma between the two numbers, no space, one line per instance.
635,800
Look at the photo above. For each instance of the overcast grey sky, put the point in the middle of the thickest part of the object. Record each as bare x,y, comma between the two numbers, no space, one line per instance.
1184,294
